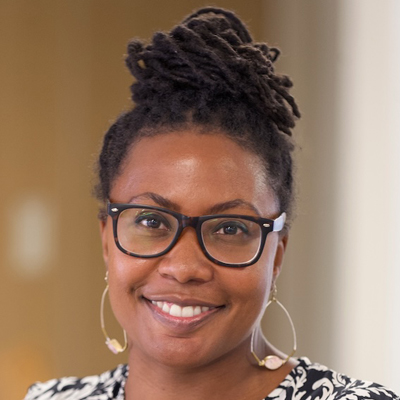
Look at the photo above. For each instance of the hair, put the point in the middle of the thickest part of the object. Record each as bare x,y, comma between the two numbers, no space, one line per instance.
207,73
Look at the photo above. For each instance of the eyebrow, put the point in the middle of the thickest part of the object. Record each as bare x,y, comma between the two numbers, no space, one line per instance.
161,201
221,207
215,209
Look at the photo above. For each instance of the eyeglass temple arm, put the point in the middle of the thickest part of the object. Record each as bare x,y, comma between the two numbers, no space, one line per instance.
279,223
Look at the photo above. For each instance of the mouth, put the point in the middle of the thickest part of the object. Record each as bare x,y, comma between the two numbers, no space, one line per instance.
182,318
176,310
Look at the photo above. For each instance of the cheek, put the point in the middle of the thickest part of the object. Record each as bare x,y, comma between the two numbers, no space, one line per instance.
249,289
125,275
256,280
257,286
122,268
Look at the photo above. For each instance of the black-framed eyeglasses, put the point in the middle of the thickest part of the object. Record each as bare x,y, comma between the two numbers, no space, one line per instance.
229,240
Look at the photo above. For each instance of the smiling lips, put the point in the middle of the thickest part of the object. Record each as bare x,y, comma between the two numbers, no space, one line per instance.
177,311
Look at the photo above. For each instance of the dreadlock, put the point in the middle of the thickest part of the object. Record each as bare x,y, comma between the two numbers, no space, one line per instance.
207,72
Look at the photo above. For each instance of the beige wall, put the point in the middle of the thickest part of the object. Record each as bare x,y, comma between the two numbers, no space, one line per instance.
306,31
62,80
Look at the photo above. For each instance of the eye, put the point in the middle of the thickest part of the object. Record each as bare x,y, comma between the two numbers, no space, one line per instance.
231,228
152,220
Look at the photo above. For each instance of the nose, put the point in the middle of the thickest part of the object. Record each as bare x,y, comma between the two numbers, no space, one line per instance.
186,262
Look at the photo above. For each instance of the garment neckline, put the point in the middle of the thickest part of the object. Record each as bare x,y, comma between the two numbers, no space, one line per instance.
303,362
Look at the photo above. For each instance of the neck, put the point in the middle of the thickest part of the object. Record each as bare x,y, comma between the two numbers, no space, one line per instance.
148,379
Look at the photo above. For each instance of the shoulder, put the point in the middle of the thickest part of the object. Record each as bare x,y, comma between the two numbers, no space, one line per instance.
108,385
314,381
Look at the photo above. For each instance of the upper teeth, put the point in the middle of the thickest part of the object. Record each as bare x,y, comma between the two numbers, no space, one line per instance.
178,311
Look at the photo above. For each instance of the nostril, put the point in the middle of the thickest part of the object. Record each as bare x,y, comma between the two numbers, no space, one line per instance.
185,272
186,266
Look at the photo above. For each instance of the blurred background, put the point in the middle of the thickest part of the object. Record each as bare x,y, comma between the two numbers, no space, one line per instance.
63,81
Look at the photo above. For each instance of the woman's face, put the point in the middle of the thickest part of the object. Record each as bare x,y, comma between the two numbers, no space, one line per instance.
192,174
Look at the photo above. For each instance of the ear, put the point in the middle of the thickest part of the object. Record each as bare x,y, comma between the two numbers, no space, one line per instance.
280,252
104,240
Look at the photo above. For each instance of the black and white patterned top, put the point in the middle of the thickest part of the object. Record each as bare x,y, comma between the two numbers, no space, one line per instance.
306,381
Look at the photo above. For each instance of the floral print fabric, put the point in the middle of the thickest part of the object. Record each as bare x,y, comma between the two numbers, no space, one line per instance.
311,381
307,381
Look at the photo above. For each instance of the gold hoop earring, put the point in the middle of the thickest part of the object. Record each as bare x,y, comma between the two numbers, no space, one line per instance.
112,344
274,362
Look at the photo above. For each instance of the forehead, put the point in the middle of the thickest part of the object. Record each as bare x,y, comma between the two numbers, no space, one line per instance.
194,170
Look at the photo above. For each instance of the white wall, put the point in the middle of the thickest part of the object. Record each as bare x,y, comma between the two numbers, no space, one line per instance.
342,272
367,306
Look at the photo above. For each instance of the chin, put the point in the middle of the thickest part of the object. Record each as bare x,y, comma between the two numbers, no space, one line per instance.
174,352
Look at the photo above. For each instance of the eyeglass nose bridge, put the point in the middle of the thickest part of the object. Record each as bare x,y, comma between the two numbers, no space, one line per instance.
193,222
185,222
189,221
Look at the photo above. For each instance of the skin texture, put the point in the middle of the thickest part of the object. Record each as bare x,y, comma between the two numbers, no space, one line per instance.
193,174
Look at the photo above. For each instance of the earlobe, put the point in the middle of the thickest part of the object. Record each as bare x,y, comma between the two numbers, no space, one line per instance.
104,241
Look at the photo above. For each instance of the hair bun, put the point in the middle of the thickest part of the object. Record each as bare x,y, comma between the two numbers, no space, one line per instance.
208,57
234,22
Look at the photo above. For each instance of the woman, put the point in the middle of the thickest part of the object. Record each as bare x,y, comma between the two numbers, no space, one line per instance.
197,187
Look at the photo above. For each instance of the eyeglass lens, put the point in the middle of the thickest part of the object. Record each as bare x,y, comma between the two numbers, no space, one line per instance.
147,232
